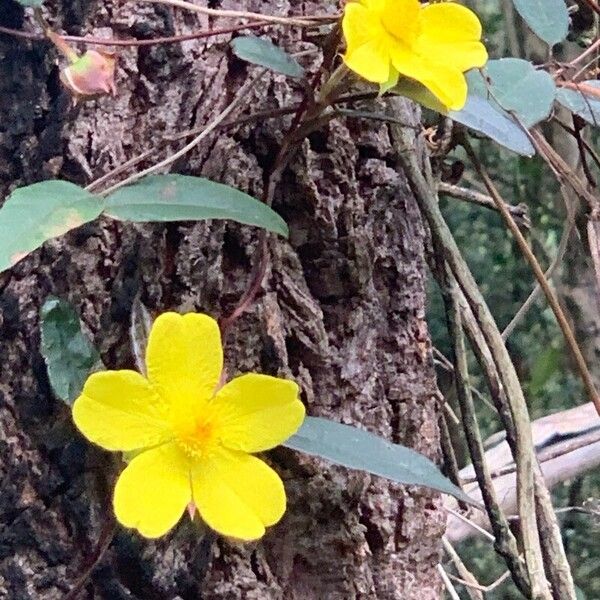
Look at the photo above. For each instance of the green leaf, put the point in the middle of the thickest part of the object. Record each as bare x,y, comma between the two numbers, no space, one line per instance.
358,449
34,3
184,198
516,86
478,114
266,54
36,213
67,352
584,105
548,19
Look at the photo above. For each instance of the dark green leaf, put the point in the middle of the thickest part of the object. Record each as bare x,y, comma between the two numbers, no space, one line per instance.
358,449
582,104
68,353
184,198
517,87
266,54
548,19
478,114
36,213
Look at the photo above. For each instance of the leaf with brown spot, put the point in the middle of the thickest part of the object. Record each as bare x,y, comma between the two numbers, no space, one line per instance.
39,212
163,198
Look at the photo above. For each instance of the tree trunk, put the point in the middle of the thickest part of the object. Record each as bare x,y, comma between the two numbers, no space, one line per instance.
342,310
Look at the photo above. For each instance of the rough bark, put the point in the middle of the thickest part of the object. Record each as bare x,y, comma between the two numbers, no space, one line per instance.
342,311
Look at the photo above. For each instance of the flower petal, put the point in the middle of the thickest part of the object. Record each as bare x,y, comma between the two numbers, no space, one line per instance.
237,494
402,19
371,61
257,412
153,491
445,81
119,410
366,40
450,22
461,55
184,360
450,34
358,24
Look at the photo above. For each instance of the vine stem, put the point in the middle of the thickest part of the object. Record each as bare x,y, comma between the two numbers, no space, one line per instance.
472,589
174,39
539,275
426,196
507,544
236,14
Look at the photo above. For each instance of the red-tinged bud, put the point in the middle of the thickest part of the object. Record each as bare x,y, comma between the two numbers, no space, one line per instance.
92,74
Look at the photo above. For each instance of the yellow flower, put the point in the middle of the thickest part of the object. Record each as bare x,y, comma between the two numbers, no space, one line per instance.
195,439
433,44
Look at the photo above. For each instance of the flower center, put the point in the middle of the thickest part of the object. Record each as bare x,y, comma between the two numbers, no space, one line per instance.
199,440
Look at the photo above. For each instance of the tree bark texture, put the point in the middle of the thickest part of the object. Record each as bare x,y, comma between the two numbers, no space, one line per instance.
342,310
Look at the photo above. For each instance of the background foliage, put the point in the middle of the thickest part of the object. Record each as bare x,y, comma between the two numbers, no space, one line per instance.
537,344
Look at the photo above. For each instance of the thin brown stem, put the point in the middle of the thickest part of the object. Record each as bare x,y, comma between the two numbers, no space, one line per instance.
539,275
483,588
303,122
466,576
448,583
593,154
174,39
537,290
520,211
236,14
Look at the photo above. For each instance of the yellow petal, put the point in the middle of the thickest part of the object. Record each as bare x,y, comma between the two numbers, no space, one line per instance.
371,61
184,360
445,81
237,494
119,410
359,24
461,55
257,412
402,19
366,40
450,22
153,491
449,85
450,34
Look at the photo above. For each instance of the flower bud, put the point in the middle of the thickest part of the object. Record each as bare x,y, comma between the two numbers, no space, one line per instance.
92,74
